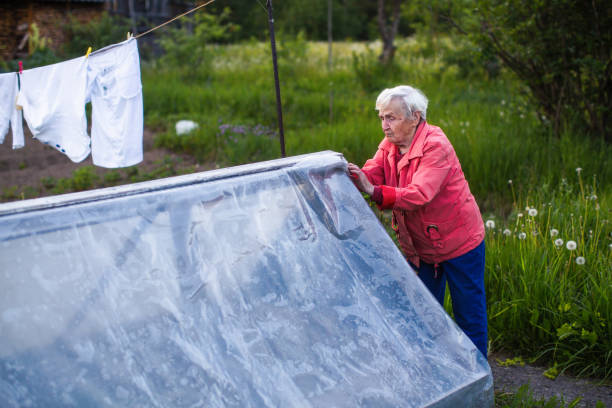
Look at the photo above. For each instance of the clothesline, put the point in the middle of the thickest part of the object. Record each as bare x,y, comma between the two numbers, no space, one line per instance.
175,18
156,27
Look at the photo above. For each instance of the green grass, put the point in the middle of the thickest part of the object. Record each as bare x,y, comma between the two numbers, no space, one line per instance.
524,398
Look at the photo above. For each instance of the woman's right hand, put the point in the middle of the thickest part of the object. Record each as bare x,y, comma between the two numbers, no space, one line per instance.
360,179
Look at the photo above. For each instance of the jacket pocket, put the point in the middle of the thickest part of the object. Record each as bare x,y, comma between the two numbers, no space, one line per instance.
446,235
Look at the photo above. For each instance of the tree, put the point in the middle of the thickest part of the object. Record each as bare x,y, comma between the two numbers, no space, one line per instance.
388,27
561,50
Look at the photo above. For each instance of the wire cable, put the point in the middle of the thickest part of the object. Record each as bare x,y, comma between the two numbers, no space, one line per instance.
175,18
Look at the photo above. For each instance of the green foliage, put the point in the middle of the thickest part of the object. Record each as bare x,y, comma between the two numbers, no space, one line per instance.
187,46
224,143
10,193
84,178
39,52
509,362
370,73
548,273
112,178
36,42
292,53
524,398
48,182
62,186
472,61
30,192
560,49
96,33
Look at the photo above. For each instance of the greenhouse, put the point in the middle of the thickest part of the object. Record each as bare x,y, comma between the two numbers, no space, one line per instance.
265,285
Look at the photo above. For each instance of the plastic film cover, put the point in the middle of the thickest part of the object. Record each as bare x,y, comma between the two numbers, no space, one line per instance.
266,285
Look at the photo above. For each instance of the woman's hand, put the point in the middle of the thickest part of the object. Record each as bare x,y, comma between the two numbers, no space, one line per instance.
360,179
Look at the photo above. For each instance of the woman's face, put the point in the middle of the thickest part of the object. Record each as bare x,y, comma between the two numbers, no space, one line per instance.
398,129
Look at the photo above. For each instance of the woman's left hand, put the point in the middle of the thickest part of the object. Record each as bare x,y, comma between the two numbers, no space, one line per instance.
360,179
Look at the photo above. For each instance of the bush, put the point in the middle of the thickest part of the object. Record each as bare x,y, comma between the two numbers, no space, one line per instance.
371,74
560,49
97,33
84,178
187,47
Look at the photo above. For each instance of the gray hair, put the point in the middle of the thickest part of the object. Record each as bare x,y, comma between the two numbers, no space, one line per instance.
412,100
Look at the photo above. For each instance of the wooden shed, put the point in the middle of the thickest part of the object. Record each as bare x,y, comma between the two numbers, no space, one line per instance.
17,17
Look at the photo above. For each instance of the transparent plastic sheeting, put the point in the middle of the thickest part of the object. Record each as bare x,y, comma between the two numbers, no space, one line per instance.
266,285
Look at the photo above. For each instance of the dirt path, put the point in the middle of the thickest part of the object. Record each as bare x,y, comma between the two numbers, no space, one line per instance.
28,165
510,378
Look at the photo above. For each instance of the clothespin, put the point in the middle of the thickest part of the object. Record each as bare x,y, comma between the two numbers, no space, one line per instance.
88,52
19,107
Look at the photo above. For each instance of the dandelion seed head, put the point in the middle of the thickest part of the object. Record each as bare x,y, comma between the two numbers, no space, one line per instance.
490,224
519,215
593,197
522,235
571,245
510,181
527,208
501,113
522,116
578,170
554,232
507,233
532,212
558,242
580,260
503,102
610,246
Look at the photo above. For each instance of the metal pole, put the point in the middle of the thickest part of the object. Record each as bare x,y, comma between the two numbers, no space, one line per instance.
279,108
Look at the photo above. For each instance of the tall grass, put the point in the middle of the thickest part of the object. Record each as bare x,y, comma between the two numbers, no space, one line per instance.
548,276
542,303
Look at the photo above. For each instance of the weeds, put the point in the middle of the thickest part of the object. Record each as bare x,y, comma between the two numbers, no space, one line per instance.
524,398
548,273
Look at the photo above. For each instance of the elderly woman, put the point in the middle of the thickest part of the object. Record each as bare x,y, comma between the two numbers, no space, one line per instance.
417,174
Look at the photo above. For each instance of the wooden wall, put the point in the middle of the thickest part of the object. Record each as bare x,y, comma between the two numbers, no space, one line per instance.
16,16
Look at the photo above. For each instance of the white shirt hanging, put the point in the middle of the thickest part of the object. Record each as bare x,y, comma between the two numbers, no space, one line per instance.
9,114
53,100
115,91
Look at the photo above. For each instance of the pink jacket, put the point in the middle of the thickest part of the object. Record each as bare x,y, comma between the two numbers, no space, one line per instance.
434,213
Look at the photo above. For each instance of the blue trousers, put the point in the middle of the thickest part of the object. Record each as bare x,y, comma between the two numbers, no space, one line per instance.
465,276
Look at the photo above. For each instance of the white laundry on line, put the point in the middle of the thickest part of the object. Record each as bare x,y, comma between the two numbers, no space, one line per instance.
53,100
54,97
9,114
115,91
